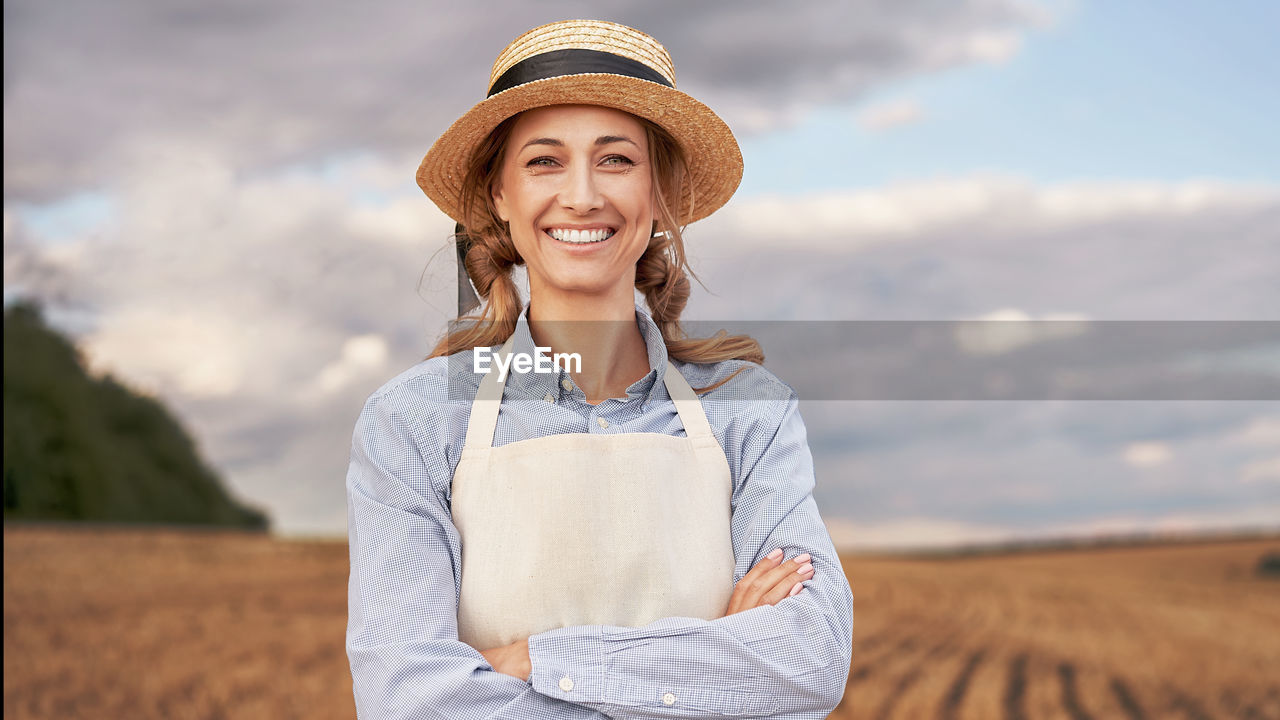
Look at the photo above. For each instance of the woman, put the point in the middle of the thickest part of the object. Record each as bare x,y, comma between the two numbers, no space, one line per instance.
601,540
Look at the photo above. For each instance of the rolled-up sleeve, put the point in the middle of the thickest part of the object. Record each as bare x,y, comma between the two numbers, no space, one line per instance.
789,660
402,635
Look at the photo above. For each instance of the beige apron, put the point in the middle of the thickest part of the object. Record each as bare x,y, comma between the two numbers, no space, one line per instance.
586,529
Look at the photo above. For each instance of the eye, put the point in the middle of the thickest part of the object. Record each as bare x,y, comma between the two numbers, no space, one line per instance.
541,162
618,160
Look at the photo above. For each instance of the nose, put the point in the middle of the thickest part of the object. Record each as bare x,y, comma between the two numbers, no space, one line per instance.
580,192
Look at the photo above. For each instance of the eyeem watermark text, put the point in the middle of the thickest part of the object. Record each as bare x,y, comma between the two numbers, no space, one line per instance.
484,359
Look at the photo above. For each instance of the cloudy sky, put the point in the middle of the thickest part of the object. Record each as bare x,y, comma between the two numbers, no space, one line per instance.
216,199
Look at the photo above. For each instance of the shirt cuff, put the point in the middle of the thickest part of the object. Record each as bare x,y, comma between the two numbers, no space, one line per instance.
532,704
569,663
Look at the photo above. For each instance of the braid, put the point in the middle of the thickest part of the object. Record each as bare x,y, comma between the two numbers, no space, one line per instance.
664,284
491,257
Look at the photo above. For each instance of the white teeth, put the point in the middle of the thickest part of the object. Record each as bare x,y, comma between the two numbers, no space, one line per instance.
580,237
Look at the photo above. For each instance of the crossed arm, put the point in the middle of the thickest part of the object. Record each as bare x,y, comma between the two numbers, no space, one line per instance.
788,660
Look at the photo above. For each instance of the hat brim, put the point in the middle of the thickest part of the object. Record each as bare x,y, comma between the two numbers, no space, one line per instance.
711,151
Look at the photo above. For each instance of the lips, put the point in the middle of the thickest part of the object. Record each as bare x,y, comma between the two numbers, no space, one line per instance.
580,236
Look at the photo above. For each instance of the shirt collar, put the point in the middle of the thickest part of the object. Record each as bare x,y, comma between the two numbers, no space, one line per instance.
650,388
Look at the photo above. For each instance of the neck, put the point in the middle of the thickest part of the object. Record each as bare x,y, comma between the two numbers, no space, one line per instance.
602,330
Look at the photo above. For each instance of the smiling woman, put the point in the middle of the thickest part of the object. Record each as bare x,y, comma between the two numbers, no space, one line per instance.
652,163
580,211
605,541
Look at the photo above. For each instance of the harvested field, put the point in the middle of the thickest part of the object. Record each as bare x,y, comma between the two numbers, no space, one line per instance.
173,624
105,623
1186,631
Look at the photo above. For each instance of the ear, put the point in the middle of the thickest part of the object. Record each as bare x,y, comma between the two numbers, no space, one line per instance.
500,201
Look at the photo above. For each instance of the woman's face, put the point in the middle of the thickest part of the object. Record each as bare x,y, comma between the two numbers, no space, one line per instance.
576,189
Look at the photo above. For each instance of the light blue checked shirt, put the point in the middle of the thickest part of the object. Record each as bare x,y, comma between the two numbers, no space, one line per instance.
789,660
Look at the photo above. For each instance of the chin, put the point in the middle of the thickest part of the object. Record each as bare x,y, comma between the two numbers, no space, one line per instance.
581,288
580,285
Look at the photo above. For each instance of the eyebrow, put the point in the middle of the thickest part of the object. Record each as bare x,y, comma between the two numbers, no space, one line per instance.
602,140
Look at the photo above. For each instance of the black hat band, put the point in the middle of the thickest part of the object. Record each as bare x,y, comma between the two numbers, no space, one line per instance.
574,61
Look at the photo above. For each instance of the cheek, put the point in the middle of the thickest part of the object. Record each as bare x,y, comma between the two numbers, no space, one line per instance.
528,198
651,197
636,198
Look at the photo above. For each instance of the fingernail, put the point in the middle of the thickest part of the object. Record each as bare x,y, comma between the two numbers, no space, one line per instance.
795,589
801,558
805,568
775,554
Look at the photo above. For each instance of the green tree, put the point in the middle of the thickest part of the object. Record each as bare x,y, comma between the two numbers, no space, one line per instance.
79,448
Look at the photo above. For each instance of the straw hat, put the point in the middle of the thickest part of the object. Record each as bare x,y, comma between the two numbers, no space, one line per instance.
589,62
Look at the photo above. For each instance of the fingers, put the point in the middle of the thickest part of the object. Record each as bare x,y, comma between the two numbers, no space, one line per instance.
748,591
772,579
767,564
787,579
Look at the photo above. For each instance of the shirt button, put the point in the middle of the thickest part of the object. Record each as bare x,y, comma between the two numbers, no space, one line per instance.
550,398
567,384
566,684
669,699
602,422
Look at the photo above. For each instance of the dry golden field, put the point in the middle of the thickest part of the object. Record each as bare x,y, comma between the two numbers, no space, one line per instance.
1146,632
102,623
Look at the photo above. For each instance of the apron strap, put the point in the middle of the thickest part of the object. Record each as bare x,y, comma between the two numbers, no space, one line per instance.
484,411
687,403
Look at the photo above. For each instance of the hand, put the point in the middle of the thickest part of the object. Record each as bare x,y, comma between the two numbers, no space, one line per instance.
769,582
511,659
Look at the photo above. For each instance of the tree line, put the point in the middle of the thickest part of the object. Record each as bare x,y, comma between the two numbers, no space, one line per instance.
79,448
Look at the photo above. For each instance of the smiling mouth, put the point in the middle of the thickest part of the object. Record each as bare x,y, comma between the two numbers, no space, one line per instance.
580,237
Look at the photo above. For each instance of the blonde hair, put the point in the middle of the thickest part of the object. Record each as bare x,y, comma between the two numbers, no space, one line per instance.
661,273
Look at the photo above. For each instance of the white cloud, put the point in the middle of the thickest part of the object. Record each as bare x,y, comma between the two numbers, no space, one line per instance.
265,308
910,533
247,288
1260,432
189,351
1267,470
926,533
889,115
994,47
1182,521
80,95
856,218
1147,454
362,356
1007,329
